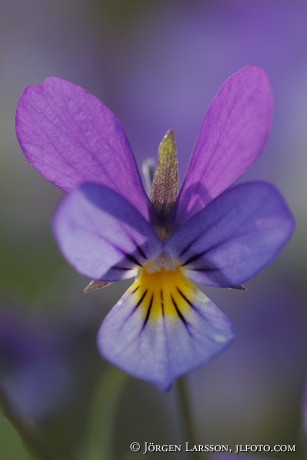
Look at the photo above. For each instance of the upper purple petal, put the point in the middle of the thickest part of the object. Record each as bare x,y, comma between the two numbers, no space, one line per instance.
102,235
234,237
71,138
232,136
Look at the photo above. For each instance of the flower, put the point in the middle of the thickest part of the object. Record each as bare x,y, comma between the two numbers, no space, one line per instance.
109,229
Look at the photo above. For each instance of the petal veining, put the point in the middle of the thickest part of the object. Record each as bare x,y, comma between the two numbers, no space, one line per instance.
102,235
163,327
71,138
231,138
235,236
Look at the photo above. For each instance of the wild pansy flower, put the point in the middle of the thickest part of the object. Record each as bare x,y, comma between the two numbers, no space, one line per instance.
110,230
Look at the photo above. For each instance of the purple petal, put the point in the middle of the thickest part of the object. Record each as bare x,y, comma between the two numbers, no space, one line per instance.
71,138
159,339
234,237
232,136
102,235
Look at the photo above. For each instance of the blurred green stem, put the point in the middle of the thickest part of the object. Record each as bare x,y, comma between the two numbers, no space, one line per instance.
187,419
26,430
103,415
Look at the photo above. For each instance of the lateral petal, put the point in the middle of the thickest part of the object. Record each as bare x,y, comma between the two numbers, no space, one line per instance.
102,235
160,331
231,138
234,237
71,138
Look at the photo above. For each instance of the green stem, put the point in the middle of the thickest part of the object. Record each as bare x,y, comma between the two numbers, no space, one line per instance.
103,414
187,419
25,429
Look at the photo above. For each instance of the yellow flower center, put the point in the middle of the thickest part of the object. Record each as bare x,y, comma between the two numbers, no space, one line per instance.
162,290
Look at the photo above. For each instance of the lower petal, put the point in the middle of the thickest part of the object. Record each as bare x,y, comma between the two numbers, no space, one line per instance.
163,327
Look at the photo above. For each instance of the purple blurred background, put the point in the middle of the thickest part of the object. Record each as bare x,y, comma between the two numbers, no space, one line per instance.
157,65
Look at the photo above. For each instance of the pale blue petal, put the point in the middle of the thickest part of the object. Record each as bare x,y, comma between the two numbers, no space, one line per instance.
102,235
161,347
234,237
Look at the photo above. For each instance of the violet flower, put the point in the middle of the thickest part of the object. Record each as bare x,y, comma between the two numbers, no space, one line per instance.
109,229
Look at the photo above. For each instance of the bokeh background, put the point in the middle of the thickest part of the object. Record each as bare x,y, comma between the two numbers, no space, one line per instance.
157,65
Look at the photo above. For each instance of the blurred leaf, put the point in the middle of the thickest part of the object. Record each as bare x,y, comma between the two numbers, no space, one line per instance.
131,456
11,445
28,266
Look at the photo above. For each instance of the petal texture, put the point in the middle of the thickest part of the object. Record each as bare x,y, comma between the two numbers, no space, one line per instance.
102,235
232,136
71,138
158,332
234,237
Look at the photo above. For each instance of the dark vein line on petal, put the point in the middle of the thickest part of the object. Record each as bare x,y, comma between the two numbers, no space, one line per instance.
194,308
193,258
133,259
139,302
139,248
162,302
188,247
130,257
117,267
148,312
231,238
185,322
185,298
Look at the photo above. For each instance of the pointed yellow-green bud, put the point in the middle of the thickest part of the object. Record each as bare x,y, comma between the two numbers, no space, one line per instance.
164,190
